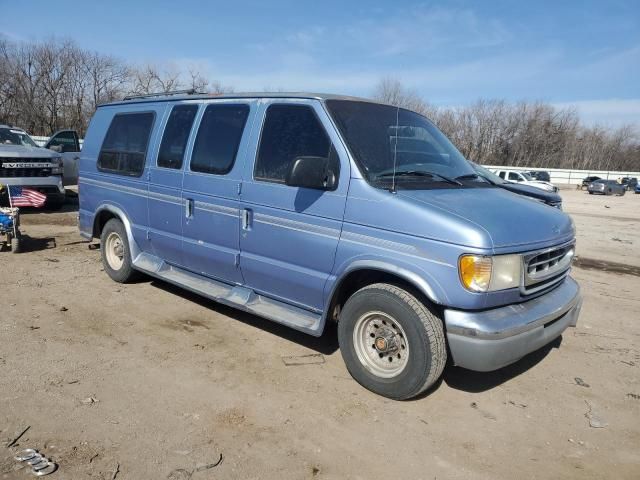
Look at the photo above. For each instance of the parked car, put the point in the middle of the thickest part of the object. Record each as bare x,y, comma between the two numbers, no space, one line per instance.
306,209
586,181
67,143
550,198
540,175
525,179
637,189
629,182
23,163
607,187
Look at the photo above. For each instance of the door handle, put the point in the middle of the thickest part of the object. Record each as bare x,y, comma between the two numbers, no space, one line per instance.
188,208
246,219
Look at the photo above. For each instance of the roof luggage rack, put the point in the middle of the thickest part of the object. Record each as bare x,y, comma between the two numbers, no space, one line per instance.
190,91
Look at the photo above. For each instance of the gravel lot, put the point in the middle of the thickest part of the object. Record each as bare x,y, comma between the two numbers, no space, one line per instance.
145,381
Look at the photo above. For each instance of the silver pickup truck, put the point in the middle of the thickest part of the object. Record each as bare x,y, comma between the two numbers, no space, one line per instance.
47,170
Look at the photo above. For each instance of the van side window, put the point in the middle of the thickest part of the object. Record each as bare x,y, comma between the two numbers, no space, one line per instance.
176,134
289,132
219,138
125,146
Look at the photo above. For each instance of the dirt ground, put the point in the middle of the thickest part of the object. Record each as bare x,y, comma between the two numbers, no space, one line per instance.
146,381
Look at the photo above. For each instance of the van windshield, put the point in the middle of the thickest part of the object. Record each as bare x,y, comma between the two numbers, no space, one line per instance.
398,148
12,136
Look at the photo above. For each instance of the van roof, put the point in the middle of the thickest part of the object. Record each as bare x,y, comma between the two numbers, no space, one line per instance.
179,96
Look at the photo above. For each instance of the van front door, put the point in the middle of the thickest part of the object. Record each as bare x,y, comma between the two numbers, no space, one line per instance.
211,189
165,185
289,235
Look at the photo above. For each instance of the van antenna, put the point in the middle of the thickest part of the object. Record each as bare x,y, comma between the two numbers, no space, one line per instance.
395,151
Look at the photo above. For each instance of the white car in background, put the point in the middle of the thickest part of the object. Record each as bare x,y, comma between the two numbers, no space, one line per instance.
523,178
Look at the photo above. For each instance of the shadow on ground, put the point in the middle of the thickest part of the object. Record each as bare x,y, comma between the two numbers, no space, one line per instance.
31,244
475,382
326,344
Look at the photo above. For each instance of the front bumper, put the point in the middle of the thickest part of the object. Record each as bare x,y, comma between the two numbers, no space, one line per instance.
491,339
52,184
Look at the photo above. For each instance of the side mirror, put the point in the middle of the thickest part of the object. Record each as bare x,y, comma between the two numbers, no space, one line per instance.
56,148
312,172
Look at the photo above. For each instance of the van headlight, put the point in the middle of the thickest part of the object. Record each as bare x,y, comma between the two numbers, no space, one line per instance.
482,273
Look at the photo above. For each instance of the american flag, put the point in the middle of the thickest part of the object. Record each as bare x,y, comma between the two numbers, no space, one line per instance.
26,197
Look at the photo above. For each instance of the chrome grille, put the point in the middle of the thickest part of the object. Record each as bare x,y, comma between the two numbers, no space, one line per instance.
545,268
24,171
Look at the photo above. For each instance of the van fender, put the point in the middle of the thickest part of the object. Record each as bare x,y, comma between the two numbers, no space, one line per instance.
419,278
118,211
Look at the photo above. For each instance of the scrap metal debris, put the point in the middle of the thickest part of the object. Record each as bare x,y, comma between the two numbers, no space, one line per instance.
581,382
210,465
116,471
595,420
296,360
40,465
15,440
635,396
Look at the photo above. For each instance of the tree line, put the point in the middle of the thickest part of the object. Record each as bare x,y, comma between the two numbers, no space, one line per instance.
46,86
523,134
54,84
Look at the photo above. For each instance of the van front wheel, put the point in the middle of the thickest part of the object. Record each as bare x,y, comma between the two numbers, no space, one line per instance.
115,253
391,343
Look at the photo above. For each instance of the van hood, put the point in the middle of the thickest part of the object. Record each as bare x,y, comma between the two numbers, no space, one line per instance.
20,151
507,219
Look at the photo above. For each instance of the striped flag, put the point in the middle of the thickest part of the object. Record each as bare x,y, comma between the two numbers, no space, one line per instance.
26,197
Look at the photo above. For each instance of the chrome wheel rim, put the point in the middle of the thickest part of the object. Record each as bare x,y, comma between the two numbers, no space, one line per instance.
114,251
381,344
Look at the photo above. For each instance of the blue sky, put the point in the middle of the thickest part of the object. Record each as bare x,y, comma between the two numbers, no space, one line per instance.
584,54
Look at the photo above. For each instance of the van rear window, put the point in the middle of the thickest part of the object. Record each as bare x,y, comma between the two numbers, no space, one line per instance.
124,149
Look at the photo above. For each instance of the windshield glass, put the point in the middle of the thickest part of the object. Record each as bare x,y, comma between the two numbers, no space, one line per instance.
488,174
12,136
384,139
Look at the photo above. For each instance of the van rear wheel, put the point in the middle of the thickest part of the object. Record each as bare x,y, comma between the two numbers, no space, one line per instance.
115,252
391,343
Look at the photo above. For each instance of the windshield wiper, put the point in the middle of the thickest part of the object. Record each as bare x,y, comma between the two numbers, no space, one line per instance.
471,176
418,173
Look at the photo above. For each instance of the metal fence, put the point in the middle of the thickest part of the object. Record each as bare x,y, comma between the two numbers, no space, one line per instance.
565,176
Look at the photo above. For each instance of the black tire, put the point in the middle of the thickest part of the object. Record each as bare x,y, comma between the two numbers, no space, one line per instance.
622,193
424,336
608,192
124,273
590,193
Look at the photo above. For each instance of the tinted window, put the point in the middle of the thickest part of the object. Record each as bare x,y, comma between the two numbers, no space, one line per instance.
176,134
67,140
501,174
514,176
218,138
289,132
125,147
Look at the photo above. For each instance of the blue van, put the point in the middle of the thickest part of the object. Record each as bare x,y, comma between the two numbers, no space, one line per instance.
306,209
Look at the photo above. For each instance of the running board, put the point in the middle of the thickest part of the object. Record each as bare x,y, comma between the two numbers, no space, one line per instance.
234,296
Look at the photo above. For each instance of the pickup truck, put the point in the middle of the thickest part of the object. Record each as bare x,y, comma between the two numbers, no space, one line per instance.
47,170
524,178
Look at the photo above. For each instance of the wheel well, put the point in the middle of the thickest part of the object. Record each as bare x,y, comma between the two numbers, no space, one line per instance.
358,279
100,221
